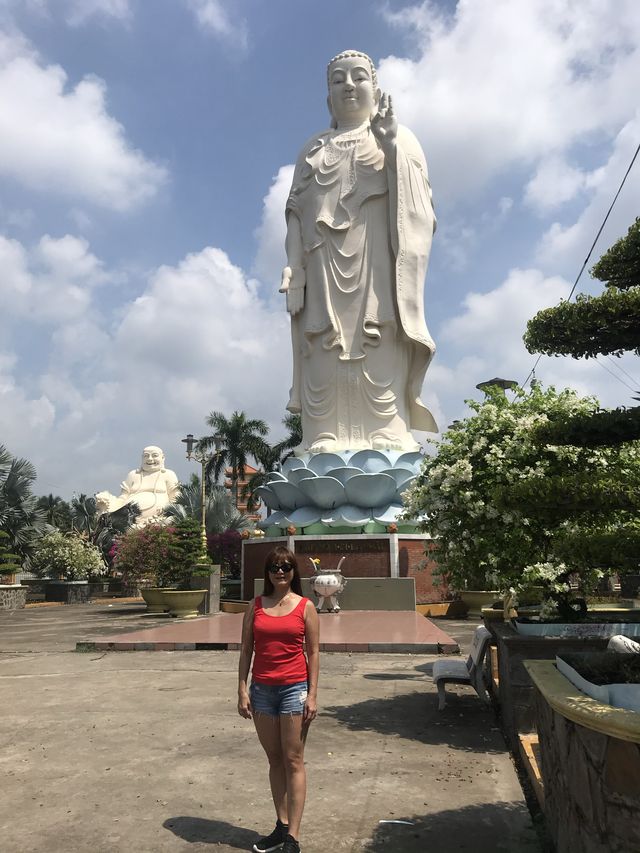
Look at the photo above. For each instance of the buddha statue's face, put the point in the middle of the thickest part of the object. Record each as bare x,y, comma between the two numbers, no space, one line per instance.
152,459
352,96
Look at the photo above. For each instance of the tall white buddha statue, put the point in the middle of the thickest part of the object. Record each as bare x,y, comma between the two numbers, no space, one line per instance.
360,222
151,487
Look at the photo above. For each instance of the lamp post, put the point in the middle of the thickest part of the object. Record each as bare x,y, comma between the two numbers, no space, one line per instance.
497,382
197,455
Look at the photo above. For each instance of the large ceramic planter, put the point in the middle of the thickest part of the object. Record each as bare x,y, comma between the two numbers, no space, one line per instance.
183,603
476,599
153,597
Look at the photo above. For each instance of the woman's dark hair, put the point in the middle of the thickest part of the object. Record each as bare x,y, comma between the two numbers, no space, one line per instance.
275,557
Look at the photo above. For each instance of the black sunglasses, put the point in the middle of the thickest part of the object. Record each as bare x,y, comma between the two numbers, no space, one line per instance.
283,567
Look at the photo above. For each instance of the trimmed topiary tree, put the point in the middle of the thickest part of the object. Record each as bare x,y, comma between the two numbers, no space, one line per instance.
595,520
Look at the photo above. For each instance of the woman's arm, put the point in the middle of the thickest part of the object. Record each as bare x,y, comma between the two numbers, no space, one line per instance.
312,643
246,653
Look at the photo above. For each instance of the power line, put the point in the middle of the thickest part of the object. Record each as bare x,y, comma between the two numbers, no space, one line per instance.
622,370
626,385
586,260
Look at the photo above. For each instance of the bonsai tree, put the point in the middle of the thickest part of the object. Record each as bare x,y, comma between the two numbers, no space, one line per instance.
10,564
594,519
464,494
66,556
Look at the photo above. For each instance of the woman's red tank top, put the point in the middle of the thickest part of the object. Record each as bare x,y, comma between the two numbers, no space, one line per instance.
278,654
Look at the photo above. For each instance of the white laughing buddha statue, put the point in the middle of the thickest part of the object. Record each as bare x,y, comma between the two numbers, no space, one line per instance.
152,487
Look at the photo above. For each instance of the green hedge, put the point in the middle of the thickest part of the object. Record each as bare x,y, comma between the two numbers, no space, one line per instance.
592,325
598,429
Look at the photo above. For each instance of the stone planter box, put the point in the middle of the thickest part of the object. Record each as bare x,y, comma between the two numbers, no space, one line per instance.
617,695
515,692
68,592
13,596
629,628
98,588
590,763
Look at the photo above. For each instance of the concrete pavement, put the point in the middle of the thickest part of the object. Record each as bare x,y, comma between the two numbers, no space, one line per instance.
144,751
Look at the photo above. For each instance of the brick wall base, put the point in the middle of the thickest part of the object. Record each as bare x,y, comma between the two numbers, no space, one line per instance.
367,556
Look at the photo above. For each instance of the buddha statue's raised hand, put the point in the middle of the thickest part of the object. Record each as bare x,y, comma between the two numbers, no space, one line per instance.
384,123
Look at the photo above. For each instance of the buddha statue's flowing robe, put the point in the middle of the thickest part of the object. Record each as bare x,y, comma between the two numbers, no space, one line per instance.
361,346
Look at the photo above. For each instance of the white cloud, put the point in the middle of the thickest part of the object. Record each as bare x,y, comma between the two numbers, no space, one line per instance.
554,183
564,247
198,338
213,17
499,85
51,283
75,12
485,340
492,324
80,11
61,139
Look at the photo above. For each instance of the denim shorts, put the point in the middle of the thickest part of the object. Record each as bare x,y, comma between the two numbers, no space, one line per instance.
275,699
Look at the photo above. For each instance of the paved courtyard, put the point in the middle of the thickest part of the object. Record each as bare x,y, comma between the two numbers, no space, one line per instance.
143,751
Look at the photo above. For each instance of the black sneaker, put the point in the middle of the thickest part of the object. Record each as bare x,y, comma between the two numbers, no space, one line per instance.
290,845
273,841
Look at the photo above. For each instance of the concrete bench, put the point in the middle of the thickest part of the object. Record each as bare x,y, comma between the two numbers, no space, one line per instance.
469,672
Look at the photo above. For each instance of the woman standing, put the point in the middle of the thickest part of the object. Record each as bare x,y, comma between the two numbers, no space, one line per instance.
284,684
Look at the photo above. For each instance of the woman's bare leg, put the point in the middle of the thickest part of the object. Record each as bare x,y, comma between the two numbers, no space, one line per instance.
293,735
268,729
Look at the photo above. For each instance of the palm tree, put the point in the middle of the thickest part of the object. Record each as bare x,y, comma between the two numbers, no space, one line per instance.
57,510
83,513
221,513
20,516
238,437
269,457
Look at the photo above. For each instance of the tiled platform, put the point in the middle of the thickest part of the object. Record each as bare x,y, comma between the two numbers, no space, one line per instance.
349,631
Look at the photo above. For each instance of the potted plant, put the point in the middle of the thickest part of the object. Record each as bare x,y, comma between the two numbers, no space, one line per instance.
66,560
144,558
159,559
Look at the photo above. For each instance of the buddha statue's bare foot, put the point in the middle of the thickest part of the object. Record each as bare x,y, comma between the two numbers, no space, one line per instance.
394,442
323,445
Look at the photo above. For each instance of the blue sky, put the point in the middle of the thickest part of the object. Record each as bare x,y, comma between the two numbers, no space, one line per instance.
145,156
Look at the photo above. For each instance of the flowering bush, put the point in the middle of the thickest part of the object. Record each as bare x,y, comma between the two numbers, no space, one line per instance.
225,549
67,556
148,555
465,495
